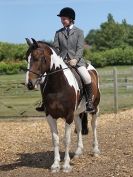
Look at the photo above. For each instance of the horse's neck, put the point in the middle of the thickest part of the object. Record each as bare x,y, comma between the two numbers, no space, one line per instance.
56,78
57,61
62,78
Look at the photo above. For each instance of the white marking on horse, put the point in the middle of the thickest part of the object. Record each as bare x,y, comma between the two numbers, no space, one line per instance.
66,166
78,124
96,150
58,61
90,67
27,74
53,126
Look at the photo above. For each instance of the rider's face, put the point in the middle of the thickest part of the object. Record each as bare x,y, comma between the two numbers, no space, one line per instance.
65,21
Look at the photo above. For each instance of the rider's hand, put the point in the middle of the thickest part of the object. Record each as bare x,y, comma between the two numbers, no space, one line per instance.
73,62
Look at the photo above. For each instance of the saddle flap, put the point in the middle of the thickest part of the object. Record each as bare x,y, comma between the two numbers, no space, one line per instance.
78,78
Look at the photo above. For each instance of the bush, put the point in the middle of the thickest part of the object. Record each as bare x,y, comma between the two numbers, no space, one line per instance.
12,68
117,56
12,51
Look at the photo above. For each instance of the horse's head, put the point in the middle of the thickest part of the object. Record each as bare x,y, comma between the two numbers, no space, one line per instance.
38,57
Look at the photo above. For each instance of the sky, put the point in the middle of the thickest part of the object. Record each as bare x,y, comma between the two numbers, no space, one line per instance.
38,18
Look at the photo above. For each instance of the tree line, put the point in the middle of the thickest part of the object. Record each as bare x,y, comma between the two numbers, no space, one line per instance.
111,44
110,35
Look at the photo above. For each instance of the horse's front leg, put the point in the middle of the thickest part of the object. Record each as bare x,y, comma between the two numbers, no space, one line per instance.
53,126
78,124
66,166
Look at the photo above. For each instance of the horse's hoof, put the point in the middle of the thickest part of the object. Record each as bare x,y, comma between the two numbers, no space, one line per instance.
96,155
76,156
78,153
67,168
55,168
96,152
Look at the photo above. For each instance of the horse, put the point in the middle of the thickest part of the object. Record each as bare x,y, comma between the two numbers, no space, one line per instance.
62,97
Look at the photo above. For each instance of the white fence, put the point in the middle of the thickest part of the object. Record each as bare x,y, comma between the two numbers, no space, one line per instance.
117,80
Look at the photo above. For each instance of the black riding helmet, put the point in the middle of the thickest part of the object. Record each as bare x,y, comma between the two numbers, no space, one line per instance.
67,12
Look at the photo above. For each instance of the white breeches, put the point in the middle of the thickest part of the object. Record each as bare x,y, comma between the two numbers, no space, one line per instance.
84,74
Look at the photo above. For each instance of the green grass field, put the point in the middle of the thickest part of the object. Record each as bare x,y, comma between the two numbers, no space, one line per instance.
17,101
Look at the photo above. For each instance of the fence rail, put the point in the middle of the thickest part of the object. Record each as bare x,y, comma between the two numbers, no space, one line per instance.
121,84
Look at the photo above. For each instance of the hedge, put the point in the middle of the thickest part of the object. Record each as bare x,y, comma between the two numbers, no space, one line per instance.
117,56
12,68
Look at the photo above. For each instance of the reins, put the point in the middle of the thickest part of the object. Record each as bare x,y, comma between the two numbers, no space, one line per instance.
43,75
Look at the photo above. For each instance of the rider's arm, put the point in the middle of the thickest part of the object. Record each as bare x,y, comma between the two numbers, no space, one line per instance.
56,42
80,46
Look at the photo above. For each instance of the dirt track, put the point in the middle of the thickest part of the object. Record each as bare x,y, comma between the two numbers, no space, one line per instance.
26,148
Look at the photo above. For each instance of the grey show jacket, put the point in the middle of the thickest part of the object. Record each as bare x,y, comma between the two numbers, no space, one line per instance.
71,45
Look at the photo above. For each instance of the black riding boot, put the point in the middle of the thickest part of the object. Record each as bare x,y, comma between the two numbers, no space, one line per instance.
89,104
41,108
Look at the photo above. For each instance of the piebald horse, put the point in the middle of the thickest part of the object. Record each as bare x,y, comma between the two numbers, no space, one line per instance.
62,97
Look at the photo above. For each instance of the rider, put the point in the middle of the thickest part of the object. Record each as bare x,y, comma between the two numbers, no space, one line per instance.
69,41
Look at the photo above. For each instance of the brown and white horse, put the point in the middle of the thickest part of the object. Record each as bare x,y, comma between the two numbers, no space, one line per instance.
62,97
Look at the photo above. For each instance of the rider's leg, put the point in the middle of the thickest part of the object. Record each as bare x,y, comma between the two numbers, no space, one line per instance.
88,87
41,108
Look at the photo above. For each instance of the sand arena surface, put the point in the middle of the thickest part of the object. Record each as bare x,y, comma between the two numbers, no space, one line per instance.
26,148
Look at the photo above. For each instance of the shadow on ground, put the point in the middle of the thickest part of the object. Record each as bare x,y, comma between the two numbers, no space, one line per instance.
35,160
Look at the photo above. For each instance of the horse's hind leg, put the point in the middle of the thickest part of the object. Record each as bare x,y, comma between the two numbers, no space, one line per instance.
94,129
84,117
78,124
53,126
66,166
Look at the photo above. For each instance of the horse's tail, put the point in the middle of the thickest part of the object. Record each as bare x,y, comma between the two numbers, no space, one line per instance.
84,119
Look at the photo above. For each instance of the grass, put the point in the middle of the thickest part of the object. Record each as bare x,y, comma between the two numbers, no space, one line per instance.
17,101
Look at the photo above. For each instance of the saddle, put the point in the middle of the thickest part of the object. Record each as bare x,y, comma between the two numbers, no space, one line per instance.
79,80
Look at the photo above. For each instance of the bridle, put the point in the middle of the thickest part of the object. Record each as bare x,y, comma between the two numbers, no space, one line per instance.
40,76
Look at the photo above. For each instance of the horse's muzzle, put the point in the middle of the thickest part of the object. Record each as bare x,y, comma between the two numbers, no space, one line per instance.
30,86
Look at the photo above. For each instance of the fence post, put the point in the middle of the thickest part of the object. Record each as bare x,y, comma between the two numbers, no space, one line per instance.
115,90
132,72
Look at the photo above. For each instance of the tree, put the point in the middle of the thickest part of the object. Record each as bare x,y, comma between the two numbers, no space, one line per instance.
110,35
110,18
129,39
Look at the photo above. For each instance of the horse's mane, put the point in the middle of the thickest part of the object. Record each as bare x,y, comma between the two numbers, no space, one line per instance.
50,44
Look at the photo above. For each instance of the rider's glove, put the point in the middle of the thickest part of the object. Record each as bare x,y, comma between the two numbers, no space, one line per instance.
73,62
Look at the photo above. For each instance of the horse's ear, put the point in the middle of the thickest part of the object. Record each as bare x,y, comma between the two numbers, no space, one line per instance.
35,42
28,41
